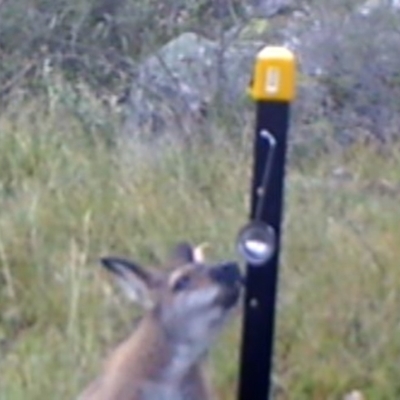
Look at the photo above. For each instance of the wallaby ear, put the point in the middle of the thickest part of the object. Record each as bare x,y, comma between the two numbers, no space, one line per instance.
185,253
181,254
198,252
134,280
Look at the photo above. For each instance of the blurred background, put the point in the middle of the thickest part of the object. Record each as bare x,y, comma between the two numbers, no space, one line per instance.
125,127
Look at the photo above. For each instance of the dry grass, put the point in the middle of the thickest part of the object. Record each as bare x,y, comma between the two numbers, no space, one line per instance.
67,198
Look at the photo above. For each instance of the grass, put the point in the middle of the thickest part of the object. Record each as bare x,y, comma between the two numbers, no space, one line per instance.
67,197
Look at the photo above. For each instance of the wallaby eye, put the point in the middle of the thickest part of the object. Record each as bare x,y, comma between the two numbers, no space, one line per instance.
182,283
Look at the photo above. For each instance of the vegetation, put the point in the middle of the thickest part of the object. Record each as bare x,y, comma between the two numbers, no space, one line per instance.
99,42
67,197
72,189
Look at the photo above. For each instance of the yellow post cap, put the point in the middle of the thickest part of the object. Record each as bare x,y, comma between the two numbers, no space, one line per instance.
274,75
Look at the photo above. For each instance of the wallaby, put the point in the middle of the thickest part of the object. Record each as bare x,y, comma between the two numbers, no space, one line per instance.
186,306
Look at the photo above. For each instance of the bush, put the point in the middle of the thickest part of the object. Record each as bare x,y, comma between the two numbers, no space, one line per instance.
354,58
95,42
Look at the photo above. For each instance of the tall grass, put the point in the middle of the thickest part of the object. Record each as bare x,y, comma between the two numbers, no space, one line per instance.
67,197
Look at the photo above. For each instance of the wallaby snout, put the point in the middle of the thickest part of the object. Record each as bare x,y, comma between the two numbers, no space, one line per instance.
227,274
229,278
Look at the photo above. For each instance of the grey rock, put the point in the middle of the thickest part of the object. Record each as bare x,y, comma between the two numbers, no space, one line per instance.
173,88
172,81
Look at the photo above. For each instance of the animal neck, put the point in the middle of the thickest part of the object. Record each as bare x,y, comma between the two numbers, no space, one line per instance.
151,354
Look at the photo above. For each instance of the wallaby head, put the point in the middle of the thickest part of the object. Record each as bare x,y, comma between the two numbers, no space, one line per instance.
186,303
191,301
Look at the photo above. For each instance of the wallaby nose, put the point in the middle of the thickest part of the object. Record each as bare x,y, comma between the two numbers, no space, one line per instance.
226,274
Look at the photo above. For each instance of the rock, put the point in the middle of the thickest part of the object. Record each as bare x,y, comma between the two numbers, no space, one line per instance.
174,80
174,87
354,395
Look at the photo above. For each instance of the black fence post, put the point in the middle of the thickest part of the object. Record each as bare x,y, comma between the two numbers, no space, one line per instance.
273,89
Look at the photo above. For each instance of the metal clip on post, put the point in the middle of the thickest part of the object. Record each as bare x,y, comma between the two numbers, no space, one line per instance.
258,242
